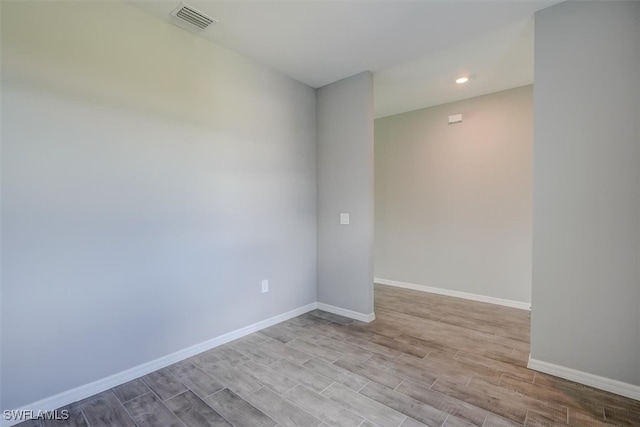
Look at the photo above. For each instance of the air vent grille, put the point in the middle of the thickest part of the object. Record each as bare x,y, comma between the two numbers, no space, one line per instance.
192,16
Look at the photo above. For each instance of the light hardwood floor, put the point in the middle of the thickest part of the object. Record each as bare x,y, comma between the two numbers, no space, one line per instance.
425,360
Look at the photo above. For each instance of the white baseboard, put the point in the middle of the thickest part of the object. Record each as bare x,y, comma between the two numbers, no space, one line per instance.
347,313
602,383
87,390
457,294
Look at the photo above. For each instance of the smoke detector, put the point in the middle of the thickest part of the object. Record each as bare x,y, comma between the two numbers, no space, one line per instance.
191,18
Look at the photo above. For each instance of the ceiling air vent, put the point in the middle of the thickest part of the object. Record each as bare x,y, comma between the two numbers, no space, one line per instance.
193,16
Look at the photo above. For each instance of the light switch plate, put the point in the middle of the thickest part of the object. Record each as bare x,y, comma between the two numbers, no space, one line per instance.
344,219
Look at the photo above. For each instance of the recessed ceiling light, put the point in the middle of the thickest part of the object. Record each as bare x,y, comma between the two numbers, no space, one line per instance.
462,80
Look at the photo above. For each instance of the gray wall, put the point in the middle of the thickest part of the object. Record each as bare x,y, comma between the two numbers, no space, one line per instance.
453,202
345,184
150,181
586,229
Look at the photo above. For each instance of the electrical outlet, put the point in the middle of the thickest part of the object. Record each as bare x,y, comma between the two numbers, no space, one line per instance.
265,286
344,218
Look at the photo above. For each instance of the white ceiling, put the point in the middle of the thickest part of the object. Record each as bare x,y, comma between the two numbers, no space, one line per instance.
415,49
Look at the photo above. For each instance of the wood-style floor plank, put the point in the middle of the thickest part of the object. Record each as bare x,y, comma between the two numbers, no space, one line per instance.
403,347
280,350
195,379
404,404
262,354
131,390
456,422
232,378
497,421
402,371
302,375
363,406
323,408
410,422
427,360
30,423
194,412
149,411
248,342
318,351
578,419
343,348
105,410
379,376
448,404
337,374
76,418
330,317
163,384
269,377
281,410
281,332
237,410
373,348
227,354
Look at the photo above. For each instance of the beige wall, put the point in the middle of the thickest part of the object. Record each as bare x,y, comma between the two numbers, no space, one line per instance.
586,241
150,180
345,184
453,202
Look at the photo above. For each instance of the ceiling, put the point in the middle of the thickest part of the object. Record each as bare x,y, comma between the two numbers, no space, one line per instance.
415,49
